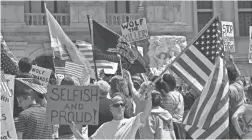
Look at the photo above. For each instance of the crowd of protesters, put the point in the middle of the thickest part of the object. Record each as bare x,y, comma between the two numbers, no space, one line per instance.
123,113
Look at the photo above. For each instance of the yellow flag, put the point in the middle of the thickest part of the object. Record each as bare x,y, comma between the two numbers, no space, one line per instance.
62,43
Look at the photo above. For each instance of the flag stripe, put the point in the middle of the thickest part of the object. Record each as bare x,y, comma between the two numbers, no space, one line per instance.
200,60
204,98
207,99
192,71
216,129
186,76
221,110
196,67
216,102
74,69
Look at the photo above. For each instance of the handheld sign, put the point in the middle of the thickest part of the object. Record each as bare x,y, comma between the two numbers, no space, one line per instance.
228,36
135,30
42,74
250,44
10,80
79,104
8,130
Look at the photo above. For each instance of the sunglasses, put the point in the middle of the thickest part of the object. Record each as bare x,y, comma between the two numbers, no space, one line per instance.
118,105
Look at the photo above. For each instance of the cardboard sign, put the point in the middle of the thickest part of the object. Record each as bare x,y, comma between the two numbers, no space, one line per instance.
250,44
8,130
228,36
135,30
42,74
10,80
73,103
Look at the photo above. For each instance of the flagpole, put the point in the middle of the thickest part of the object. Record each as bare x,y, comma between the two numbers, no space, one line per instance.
120,63
189,44
92,40
50,44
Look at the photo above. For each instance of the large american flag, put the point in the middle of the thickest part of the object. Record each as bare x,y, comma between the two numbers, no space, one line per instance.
197,62
209,115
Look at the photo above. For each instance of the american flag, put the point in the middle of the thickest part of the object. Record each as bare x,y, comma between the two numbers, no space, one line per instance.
87,51
74,69
4,85
195,65
70,68
209,115
9,63
36,87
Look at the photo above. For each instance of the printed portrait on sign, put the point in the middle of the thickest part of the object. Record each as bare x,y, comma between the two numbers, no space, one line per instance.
164,49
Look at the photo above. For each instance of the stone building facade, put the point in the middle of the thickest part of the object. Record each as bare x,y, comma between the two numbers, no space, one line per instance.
23,24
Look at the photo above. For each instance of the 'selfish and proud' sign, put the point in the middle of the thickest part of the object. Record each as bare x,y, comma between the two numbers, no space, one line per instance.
135,30
79,104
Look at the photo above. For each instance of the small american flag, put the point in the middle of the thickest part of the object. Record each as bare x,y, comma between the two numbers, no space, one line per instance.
195,65
209,115
74,69
4,85
9,63
29,82
68,68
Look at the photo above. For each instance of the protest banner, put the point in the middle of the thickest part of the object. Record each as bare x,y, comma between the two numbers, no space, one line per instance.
135,30
10,80
250,44
228,36
8,130
42,74
79,104
164,45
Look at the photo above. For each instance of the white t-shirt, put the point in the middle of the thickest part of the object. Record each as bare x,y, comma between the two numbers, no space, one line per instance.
122,129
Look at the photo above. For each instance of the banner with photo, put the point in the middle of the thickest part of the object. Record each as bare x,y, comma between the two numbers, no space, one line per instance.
164,49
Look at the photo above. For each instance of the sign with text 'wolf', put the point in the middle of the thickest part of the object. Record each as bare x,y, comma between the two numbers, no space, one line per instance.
79,104
42,74
135,30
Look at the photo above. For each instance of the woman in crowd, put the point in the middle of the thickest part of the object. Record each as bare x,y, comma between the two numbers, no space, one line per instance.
159,123
244,112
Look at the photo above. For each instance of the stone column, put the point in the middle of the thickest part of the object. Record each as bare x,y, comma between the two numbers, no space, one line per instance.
80,9
12,13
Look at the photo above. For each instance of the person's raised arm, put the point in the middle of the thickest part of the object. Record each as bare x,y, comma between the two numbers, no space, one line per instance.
77,133
238,73
148,103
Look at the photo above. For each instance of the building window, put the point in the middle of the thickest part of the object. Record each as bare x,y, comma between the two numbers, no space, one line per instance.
204,13
118,6
52,6
245,17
